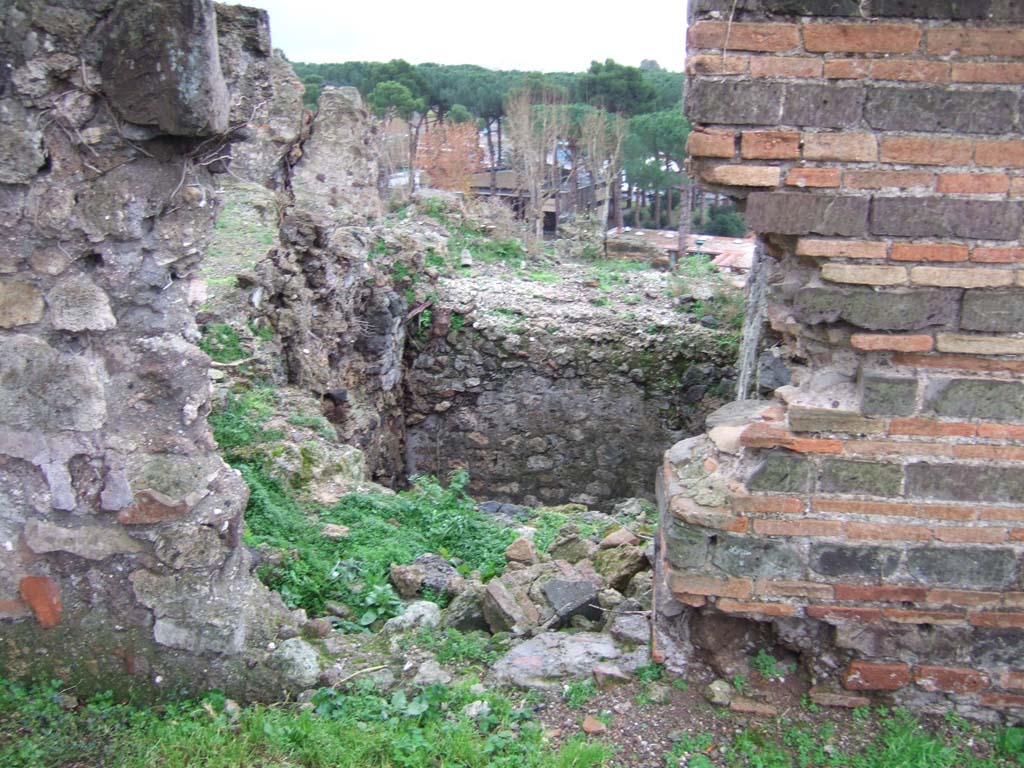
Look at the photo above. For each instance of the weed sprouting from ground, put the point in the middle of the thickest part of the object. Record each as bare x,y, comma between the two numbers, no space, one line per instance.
316,422
578,693
769,666
222,343
453,646
894,739
309,569
358,728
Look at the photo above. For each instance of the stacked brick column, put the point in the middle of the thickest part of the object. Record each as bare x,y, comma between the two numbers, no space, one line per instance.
875,510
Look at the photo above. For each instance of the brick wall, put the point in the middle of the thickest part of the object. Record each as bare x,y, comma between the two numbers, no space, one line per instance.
879,499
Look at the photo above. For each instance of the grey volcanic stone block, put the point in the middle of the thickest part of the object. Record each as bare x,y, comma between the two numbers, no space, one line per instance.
685,547
965,567
993,311
756,557
759,9
876,479
939,644
944,217
850,562
989,647
940,109
735,103
572,598
955,10
822,106
964,482
161,66
877,310
977,399
788,213
813,7
783,472
888,396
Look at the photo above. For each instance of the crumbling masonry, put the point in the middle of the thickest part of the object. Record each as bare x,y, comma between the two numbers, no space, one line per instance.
872,516
121,562
873,513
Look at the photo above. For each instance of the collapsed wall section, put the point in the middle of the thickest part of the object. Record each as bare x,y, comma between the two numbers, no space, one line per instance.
874,511
545,397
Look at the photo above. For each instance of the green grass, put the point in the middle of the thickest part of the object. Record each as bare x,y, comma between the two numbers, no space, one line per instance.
549,522
453,646
769,666
503,312
886,739
649,673
578,693
725,304
222,343
310,569
383,530
238,425
612,272
544,277
481,245
316,422
358,728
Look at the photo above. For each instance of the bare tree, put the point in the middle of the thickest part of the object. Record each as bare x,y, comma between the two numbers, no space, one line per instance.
537,121
603,134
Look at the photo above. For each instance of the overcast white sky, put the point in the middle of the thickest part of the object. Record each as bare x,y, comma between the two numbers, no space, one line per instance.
546,35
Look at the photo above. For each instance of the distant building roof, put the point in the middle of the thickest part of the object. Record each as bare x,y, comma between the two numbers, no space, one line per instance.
732,253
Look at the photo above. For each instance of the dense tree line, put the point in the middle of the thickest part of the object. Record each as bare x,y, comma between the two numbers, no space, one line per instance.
631,116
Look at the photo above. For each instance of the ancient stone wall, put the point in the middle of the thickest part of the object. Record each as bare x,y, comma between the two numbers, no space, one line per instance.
121,562
338,320
545,397
873,512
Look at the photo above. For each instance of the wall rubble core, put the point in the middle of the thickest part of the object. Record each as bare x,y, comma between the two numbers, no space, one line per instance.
121,562
873,513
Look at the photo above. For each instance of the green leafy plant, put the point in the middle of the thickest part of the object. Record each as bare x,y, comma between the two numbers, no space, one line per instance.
357,728
769,666
315,422
544,277
451,645
379,602
807,703
649,673
222,343
578,693
740,683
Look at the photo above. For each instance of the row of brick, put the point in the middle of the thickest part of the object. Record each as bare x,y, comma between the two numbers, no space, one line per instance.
999,604
958,363
753,504
940,277
883,676
955,343
881,250
835,614
818,528
992,11
858,147
914,426
911,70
869,37
735,175
738,595
763,435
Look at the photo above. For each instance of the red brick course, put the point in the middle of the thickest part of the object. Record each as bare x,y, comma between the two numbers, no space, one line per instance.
42,595
867,676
